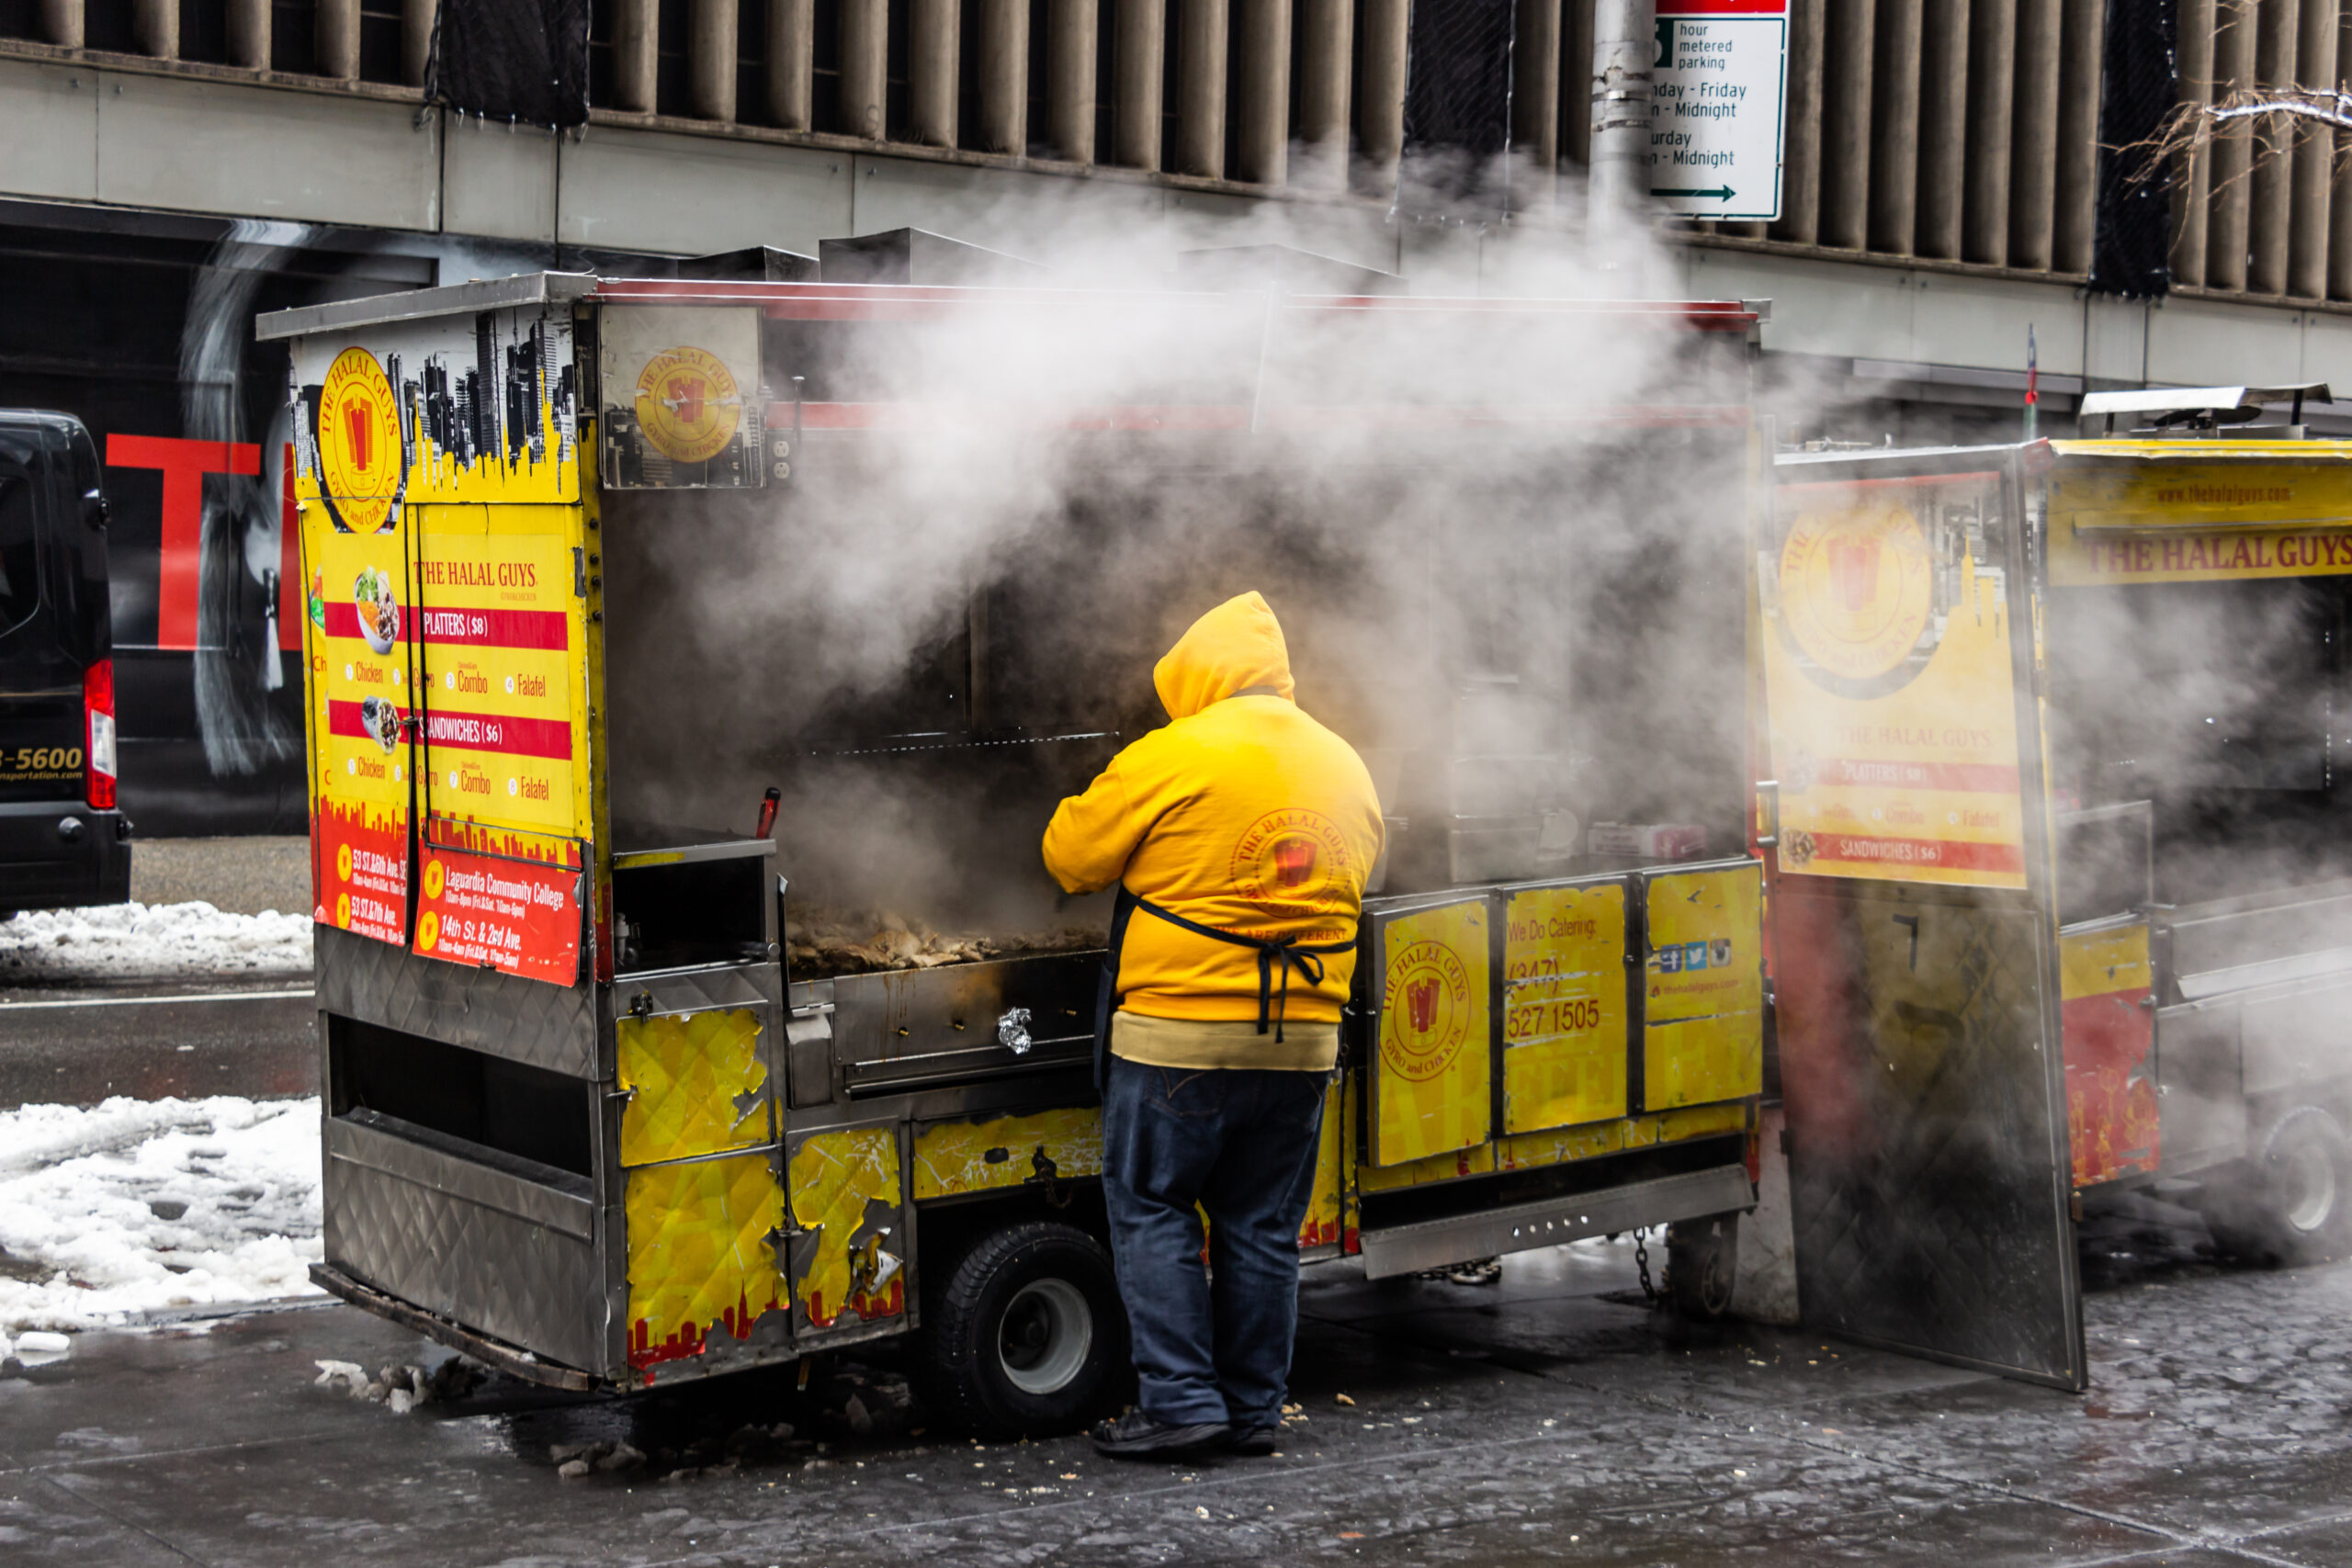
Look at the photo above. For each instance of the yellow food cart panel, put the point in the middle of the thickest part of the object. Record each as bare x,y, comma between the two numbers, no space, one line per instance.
1044,1147
847,1256
1561,1145
700,1260
2103,963
1432,1084
696,1083
1703,984
1700,1121
1328,1218
1888,672
1476,1161
1564,1006
2113,1121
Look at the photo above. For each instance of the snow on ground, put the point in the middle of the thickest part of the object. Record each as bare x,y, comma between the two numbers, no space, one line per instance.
139,1206
116,939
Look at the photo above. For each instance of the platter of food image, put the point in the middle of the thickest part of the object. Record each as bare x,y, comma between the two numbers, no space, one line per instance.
378,606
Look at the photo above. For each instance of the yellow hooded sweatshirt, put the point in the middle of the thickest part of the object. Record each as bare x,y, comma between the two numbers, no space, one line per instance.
1245,816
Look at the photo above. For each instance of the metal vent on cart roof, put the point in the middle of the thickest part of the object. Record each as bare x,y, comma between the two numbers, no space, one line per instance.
2200,407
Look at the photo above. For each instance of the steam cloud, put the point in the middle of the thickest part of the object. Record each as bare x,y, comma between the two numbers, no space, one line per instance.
943,625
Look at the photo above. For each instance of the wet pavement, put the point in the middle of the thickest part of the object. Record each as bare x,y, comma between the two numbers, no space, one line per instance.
76,1045
78,1042
1552,1418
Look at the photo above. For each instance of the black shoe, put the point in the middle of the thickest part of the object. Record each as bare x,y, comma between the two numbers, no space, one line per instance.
1252,1442
1138,1436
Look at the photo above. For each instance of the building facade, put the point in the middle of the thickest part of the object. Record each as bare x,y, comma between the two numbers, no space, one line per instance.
1951,182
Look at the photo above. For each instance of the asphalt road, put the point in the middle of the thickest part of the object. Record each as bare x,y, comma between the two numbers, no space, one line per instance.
79,1044
1549,1419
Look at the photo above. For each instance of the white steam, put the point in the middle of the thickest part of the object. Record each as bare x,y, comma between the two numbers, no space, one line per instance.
1466,516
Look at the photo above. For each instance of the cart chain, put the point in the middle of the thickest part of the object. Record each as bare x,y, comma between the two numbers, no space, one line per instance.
1642,1262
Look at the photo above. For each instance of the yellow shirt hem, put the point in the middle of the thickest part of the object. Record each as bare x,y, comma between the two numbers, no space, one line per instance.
1307,1045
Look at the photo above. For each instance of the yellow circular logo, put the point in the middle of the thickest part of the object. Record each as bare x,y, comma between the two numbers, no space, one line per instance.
1858,589
1290,861
342,910
1425,1010
428,931
343,861
359,442
433,879
687,404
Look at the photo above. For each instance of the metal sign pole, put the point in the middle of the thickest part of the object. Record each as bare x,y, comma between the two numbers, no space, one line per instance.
1624,52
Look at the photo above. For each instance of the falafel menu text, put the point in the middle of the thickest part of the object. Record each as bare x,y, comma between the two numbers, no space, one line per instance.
501,769
496,649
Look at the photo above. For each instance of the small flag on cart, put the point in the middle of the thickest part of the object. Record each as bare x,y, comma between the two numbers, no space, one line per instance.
2033,386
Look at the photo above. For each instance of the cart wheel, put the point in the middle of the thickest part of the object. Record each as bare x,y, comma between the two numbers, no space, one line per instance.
1028,1337
2299,1205
1702,1257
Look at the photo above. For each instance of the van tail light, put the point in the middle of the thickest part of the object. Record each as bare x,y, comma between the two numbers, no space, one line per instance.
98,757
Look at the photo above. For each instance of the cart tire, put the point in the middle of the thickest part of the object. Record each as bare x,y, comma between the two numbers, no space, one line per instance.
2296,1206
1701,1260
1028,1337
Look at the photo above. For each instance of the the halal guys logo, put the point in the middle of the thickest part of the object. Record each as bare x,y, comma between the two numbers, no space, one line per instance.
1287,859
360,468
688,404
1425,1010
1858,596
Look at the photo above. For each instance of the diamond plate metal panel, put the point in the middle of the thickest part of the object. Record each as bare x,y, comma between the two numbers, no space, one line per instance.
1926,1134
492,1271
703,1264
697,1085
481,1010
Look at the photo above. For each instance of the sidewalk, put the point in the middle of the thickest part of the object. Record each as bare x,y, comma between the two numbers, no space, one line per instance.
1546,1420
241,877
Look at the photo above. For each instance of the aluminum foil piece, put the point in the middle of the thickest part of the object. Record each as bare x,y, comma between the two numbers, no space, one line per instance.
1012,1031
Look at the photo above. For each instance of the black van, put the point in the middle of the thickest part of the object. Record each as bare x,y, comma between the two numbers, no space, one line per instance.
62,840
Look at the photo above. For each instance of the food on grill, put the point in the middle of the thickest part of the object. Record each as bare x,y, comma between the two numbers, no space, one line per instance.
824,943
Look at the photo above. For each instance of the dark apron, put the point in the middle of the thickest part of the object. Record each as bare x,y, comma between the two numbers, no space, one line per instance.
1283,953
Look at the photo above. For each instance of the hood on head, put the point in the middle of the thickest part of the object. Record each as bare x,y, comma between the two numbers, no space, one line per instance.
1232,648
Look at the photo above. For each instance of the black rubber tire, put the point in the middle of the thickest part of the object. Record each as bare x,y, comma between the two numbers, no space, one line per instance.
1702,1260
2294,1202
974,1344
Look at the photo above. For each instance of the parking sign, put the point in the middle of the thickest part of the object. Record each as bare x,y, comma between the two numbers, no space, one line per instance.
1717,115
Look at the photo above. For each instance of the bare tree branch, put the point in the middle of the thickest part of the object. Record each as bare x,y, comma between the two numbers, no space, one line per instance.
2272,113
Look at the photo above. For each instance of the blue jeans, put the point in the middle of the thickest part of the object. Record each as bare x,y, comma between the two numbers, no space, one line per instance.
1241,1144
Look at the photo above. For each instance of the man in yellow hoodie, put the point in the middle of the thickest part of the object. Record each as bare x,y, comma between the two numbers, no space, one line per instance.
1239,836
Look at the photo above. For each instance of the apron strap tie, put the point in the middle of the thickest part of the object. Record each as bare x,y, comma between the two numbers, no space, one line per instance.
1285,953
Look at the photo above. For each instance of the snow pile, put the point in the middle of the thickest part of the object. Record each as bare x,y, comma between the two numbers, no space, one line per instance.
136,1206
151,939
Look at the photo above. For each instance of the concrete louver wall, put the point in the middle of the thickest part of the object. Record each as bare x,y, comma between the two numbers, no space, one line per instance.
331,48
1269,93
1959,133
2285,227
1967,131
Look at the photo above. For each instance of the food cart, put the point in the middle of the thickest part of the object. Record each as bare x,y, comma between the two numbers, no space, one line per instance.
631,1078
2053,822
